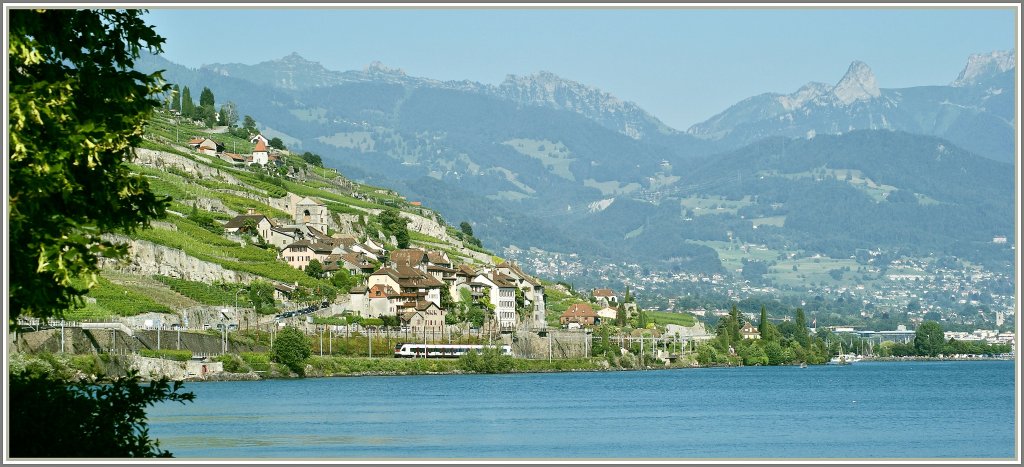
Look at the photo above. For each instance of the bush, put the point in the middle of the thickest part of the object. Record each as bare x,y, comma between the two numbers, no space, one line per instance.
233,363
707,354
258,361
489,361
754,355
291,349
167,354
775,353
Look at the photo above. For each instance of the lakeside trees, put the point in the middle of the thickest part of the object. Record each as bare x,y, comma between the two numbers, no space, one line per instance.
928,340
782,345
776,345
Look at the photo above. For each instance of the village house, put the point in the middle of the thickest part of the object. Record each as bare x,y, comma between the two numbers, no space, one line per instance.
312,213
425,316
605,297
607,313
371,253
439,258
372,248
533,291
748,331
464,274
259,138
301,252
501,291
407,280
411,257
283,292
206,146
354,263
262,223
307,211
380,301
233,159
359,299
580,314
435,263
260,154
441,273
282,236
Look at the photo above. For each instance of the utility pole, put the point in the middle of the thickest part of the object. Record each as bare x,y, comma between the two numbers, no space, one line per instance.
549,347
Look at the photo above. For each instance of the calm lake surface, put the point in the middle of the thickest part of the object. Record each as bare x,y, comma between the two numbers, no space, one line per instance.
866,410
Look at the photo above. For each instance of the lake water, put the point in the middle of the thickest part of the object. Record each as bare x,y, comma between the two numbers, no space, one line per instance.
866,410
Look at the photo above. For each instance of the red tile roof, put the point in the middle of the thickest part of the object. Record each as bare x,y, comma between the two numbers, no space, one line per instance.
579,310
408,256
380,291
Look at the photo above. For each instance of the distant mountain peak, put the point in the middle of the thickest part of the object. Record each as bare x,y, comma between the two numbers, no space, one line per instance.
858,84
294,57
376,67
548,83
983,65
547,89
806,93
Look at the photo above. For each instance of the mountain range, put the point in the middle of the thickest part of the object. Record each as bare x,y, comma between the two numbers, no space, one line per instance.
543,162
976,111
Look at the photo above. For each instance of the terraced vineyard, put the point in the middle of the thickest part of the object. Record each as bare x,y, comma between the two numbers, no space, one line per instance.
206,191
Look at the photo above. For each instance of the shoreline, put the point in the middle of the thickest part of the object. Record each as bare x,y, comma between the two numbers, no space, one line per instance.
353,367
252,376
225,376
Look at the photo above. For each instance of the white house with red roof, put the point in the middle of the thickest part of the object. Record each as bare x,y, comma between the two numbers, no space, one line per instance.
258,138
260,154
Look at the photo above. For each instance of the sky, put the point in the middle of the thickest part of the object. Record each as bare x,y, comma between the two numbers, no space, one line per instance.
683,65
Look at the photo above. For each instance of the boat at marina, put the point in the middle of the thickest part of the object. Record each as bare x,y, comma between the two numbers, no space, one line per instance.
844,358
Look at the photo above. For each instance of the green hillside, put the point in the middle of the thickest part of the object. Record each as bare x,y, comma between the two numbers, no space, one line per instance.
206,191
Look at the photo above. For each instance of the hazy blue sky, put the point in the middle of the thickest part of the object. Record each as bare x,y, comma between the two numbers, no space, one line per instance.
682,65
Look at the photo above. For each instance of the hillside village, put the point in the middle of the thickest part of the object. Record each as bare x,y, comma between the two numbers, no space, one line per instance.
413,287
406,283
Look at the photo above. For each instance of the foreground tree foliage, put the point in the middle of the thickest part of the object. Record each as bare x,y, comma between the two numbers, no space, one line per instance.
77,110
102,418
